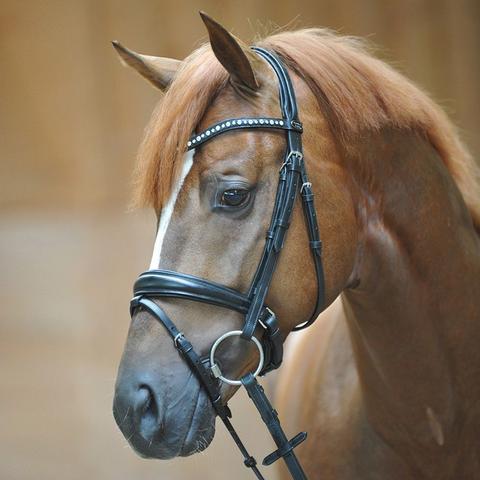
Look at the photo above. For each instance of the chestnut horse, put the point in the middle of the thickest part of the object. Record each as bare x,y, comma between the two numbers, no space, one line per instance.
387,383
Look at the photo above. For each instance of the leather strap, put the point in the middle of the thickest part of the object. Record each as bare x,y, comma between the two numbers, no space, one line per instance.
165,283
270,418
293,172
294,143
315,246
242,123
288,188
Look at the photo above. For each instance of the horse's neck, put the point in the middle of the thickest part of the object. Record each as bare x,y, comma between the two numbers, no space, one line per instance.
414,317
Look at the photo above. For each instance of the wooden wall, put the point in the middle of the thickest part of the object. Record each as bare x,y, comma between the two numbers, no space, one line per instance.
71,117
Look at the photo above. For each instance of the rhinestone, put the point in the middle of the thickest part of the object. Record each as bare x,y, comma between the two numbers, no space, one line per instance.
250,122
194,141
271,122
255,121
262,121
281,122
217,128
198,138
276,122
234,122
189,144
227,124
207,133
202,135
223,125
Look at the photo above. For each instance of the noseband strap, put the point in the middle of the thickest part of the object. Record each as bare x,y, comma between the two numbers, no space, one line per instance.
165,283
259,319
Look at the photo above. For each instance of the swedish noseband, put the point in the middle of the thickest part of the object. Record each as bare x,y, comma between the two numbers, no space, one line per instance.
258,317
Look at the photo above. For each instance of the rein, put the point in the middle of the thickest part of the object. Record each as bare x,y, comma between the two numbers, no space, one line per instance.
293,179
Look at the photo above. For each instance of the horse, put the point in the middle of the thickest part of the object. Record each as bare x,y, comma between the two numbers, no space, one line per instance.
386,381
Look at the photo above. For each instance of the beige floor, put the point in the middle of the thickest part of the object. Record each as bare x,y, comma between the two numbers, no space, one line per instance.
64,290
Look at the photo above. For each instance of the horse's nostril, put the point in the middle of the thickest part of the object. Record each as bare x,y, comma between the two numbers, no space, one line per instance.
144,398
147,413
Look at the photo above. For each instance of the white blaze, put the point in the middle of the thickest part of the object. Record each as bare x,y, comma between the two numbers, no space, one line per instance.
167,210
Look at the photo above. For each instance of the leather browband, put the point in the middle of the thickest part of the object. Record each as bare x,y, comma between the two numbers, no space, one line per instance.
243,123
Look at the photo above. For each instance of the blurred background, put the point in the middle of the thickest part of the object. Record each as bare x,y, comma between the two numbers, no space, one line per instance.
71,118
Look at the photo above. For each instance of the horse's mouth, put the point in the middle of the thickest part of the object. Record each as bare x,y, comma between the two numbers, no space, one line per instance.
202,427
185,430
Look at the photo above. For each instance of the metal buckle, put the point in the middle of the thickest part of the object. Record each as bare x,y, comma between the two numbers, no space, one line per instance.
291,154
305,184
297,126
296,153
177,336
216,369
272,314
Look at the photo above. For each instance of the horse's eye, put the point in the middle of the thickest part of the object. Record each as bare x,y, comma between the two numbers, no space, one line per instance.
235,197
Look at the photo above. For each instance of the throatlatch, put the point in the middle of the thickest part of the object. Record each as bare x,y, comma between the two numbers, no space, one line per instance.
293,179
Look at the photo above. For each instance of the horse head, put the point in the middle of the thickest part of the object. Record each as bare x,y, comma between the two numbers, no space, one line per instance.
214,204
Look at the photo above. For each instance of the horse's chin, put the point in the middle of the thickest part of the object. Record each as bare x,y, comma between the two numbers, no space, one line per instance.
197,442
186,431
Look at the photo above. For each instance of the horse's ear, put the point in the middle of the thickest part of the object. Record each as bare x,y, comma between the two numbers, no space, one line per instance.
239,60
158,70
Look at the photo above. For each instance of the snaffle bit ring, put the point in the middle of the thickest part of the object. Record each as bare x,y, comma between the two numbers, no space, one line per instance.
217,373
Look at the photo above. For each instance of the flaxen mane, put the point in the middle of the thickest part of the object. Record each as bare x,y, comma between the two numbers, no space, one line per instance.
356,92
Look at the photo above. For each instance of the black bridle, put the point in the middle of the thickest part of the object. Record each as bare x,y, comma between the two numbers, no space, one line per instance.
165,283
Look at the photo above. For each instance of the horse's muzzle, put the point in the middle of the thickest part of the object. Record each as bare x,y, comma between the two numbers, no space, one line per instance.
160,427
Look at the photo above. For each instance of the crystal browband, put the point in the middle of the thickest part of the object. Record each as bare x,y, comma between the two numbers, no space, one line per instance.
239,123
